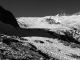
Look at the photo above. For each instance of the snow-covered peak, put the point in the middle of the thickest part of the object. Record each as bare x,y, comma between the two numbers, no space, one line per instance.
37,21
49,21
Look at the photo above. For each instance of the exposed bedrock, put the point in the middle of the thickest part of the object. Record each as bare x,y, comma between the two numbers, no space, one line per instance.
16,50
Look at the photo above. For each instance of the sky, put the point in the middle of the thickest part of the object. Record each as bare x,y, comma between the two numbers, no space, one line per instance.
40,8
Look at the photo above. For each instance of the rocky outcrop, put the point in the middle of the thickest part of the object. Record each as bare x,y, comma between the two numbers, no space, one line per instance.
6,17
13,48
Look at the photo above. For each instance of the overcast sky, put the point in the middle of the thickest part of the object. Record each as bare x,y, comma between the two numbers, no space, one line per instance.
40,8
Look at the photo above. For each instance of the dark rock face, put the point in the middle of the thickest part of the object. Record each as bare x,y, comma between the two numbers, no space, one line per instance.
7,17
